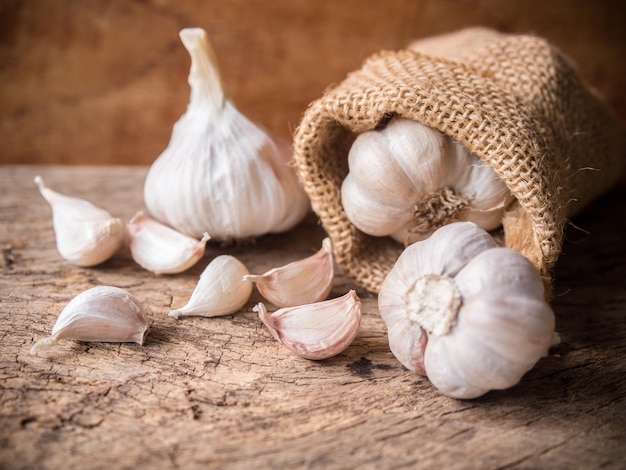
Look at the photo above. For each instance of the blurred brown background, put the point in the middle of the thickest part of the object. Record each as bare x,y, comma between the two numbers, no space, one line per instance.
102,82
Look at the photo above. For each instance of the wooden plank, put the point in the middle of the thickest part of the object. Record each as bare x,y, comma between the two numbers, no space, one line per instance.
222,393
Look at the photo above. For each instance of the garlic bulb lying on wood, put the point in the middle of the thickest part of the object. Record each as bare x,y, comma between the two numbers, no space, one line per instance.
315,331
221,173
468,314
406,180
305,281
101,314
161,249
85,234
221,290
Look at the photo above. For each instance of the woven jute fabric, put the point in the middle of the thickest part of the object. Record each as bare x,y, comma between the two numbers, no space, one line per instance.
513,100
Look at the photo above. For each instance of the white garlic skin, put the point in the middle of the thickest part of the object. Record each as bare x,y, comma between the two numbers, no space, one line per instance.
221,173
86,235
502,327
221,290
305,281
400,167
315,331
100,314
161,249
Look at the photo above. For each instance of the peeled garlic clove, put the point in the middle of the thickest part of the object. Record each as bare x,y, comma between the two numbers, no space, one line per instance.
100,314
315,331
161,249
85,234
221,290
221,173
306,281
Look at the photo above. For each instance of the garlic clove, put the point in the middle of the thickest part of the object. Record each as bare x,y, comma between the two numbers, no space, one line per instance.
85,234
221,290
315,331
161,249
305,281
221,173
99,314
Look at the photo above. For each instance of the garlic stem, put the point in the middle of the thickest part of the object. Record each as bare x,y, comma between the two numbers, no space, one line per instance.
207,92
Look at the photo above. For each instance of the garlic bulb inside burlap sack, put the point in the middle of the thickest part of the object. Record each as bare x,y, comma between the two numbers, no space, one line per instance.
512,100
221,173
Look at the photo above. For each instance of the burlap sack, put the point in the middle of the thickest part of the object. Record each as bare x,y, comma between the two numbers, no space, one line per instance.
513,100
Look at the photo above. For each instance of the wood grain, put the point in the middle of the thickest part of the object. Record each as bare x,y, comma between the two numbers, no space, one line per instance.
93,82
221,392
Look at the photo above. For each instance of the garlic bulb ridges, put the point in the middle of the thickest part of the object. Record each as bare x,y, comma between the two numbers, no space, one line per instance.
221,290
315,331
305,281
100,314
468,314
85,234
221,173
406,180
161,249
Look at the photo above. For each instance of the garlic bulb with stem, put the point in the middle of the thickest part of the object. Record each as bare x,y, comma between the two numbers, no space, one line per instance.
85,234
406,180
305,281
315,331
468,314
221,173
161,249
100,314
221,290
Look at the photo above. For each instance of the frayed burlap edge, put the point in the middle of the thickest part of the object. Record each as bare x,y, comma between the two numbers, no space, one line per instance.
514,101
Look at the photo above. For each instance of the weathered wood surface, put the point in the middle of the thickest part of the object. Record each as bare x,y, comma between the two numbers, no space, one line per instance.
222,393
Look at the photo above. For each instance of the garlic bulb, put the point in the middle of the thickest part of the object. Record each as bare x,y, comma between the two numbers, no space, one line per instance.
468,314
305,281
85,234
161,249
406,180
315,331
221,290
100,314
221,173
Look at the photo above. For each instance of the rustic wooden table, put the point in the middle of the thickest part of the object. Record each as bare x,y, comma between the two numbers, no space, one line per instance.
222,393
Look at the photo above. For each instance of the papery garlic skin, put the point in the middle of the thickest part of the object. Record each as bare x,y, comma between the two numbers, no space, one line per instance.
305,281
221,173
498,330
315,331
86,235
406,180
161,249
221,290
100,314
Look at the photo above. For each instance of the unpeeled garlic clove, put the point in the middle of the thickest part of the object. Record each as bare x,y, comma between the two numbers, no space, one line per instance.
306,281
100,314
221,290
161,249
315,331
85,234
